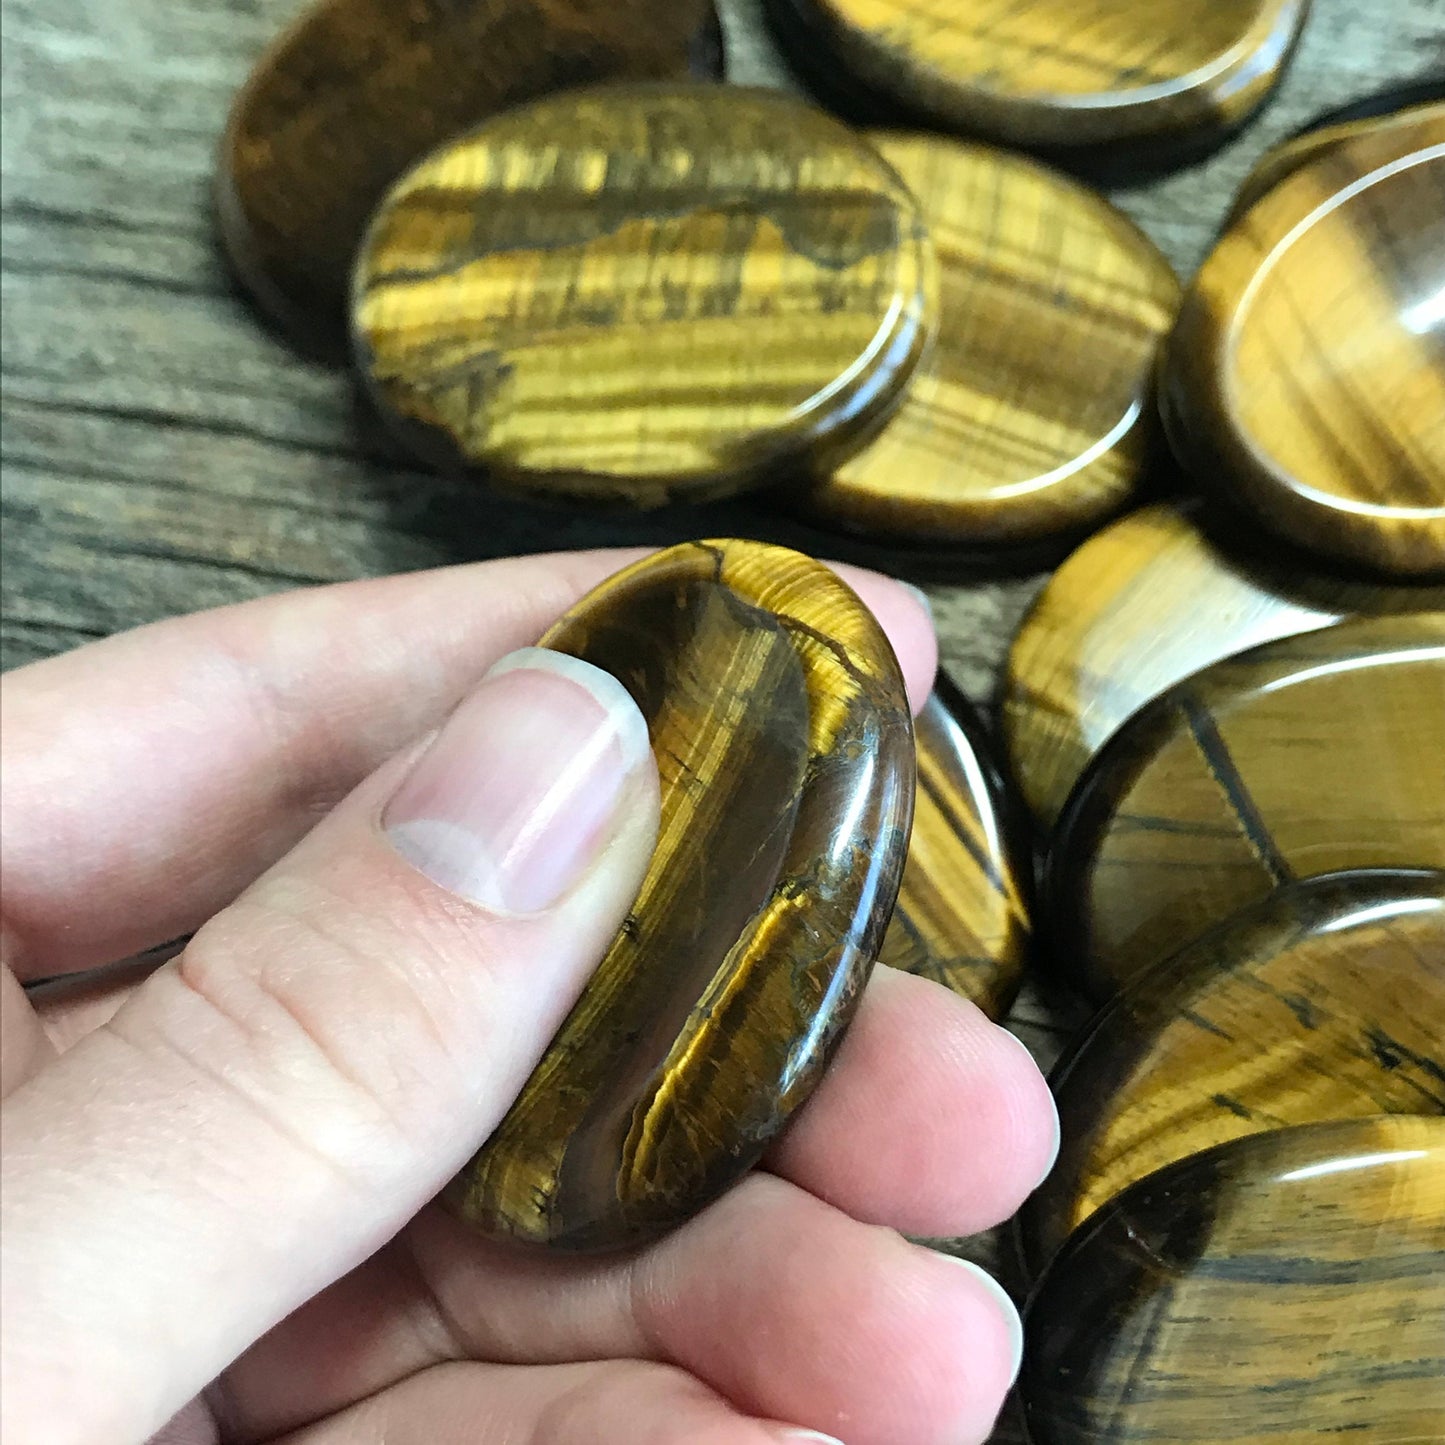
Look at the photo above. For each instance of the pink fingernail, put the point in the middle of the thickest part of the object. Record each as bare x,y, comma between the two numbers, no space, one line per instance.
1002,1300
519,792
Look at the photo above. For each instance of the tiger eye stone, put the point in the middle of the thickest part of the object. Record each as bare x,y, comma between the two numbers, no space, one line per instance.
1056,72
641,294
1404,108
962,917
1033,414
1138,607
355,91
1315,754
1306,376
1326,1001
1278,1290
783,741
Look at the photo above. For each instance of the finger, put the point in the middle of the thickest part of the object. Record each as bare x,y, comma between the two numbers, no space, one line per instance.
931,1119
867,1336
915,1052
616,1402
264,1113
150,777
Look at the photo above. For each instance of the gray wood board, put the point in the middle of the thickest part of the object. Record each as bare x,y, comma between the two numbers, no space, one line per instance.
163,451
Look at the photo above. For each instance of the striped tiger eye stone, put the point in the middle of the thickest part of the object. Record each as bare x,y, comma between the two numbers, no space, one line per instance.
1138,607
962,916
355,91
783,741
1273,1291
1055,72
1399,109
1315,754
1326,1001
1033,414
1306,377
644,294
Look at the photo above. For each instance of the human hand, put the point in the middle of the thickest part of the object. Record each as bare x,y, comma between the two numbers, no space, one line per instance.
215,1182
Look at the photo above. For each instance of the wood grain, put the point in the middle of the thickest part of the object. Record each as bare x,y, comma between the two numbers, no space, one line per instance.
1283,1289
1143,603
356,91
1061,72
1033,414
1315,754
1325,1001
1307,373
784,748
644,294
962,917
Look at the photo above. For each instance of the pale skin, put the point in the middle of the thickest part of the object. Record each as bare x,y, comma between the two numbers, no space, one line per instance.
217,1175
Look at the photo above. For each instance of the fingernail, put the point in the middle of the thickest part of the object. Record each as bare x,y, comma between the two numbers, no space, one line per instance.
1053,1156
1006,1307
519,793
920,597
816,1436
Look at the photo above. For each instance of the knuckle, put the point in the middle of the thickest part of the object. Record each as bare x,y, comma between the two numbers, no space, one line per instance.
314,1022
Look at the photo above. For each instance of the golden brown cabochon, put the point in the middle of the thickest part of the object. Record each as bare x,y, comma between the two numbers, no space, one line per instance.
783,741
355,91
640,294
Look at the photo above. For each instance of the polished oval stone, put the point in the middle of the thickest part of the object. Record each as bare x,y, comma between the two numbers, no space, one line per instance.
355,91
640,294
783,741
1326,1001
1033,415
1316,754
1285,1289
1400,109
1057,72
1138,607
962,916
1306,376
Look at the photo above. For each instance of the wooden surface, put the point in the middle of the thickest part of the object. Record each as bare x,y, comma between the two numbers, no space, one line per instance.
164,452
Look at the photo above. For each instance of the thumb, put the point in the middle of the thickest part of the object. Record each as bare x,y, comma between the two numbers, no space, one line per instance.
327,1052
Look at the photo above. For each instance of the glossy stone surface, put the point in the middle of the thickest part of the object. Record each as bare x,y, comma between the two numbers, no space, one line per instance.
641,294
355,91
1058,72
1315,754
1142,604
1284,1289
962,917
1033,414
1398,110
784,745
1326,1001
1306,377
